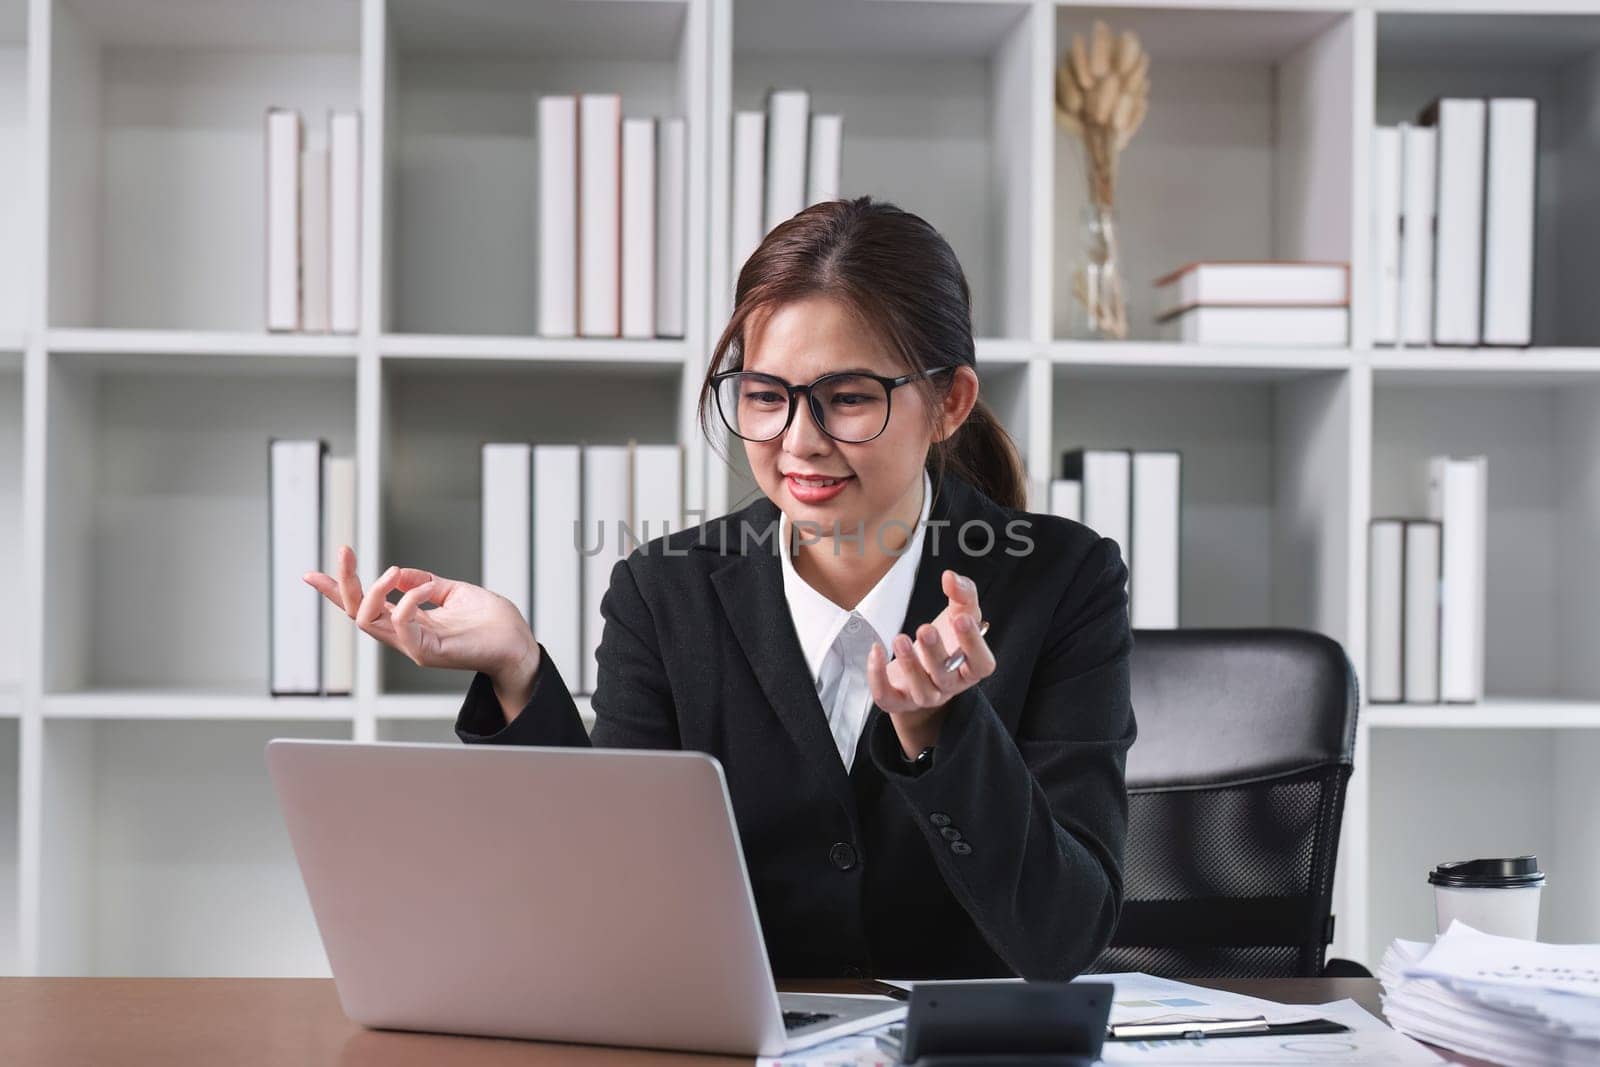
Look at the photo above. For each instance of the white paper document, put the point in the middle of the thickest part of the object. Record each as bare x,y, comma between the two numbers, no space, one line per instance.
1369,1041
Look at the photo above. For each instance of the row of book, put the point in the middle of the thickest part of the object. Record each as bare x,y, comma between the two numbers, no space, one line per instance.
1454,203
1425,600
311,509
556,518
1134,498
313,211
613,193
1285,303
784,160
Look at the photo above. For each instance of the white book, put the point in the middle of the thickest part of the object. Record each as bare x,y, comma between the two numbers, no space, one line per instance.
749,190
607,496
1509,197
558,216
283,219
599,214
1066,499
672,226
1284,327
638,228
1253,285
1107,479
508,523
295,539
338,528
788,119
557,607
823,158
1418,149
1387,192
1157,492
1421,636
657,492
314,240
344,221
1458,497
1458,273
1385,608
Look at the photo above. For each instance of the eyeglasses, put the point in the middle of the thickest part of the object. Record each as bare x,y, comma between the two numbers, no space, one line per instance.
850,407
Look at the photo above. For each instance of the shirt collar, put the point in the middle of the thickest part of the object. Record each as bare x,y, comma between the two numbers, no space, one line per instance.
817,620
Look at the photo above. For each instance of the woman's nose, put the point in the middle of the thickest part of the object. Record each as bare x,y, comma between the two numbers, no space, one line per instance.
804,437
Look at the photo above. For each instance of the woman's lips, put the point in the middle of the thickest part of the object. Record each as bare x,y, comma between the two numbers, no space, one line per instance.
812,491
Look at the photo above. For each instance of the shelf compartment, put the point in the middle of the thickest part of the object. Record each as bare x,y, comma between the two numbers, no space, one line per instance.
157,515
462,152
164,853
1542,597
157,135
438,414
1246,152
1555,59
940,115
1441,795
1266,484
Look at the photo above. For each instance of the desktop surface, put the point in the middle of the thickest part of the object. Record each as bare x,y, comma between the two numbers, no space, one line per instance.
268,1022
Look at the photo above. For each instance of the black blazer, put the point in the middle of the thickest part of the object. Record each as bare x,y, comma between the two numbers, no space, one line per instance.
1005,858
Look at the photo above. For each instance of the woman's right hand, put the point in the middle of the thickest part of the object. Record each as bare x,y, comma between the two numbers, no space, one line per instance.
470,629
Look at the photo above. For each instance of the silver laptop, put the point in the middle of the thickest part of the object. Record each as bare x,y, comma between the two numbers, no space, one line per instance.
560,894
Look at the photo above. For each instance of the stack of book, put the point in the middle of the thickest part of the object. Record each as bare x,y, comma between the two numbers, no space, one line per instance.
311,511
612,227
784,160
313,224
1453,205
1134,498
1425,594
556,518
1248,303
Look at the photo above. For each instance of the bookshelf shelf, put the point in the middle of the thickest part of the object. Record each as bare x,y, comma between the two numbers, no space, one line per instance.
133,696
220,705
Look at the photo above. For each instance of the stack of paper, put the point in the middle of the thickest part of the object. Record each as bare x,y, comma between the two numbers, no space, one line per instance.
1497,998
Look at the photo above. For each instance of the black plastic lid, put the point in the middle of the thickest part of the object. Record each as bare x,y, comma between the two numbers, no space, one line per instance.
1489,874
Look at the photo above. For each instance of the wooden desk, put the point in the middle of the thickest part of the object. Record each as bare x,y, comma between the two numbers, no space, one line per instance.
293,1022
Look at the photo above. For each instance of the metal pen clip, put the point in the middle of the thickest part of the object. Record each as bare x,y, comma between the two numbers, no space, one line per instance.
960,656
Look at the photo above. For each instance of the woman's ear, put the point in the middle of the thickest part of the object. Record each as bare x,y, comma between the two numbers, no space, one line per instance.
958,401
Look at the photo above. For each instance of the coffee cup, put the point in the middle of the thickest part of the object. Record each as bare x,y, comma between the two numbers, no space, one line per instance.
1494,896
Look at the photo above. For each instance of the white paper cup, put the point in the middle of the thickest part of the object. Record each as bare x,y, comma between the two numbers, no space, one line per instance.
1494,896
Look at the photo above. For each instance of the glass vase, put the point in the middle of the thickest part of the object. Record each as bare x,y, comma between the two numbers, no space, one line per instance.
1102,312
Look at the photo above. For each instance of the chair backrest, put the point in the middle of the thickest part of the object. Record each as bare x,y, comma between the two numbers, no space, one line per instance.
1236,786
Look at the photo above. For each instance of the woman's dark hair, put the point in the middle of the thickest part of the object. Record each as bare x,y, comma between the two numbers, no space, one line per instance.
902,279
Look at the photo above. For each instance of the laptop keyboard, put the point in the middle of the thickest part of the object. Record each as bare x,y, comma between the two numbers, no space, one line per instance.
793,1020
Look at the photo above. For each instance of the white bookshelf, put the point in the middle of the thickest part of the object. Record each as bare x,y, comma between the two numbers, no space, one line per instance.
138,834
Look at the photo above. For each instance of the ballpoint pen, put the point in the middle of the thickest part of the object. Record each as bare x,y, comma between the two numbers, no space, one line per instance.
960,656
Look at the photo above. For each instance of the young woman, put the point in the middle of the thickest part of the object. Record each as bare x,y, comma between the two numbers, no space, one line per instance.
899,818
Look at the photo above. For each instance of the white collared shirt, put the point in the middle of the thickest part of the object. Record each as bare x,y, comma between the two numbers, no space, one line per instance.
836,641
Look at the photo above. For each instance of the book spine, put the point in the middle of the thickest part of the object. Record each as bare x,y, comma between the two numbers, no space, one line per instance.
824,155
638,228
1156,493
788,114
507,523
1418,150
657,491
339,528
1457,498
294,537
1385,610
600,214
314,293
607,496
1509,200
283,219
344,221
672,227
558,214
1458,271
749,152
1421,607
1388,192
1066,499
557,565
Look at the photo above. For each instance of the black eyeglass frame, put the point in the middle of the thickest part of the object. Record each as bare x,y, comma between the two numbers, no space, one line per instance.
889,386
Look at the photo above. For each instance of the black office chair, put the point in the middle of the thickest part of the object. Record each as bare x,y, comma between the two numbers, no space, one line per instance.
1236,786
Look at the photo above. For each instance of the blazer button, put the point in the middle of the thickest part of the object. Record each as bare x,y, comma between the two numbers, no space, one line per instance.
960,848
842,855
951,833
939,818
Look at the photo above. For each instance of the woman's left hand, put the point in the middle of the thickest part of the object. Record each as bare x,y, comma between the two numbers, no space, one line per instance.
914,689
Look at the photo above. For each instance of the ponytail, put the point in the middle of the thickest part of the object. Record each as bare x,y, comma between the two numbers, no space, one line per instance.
982,454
